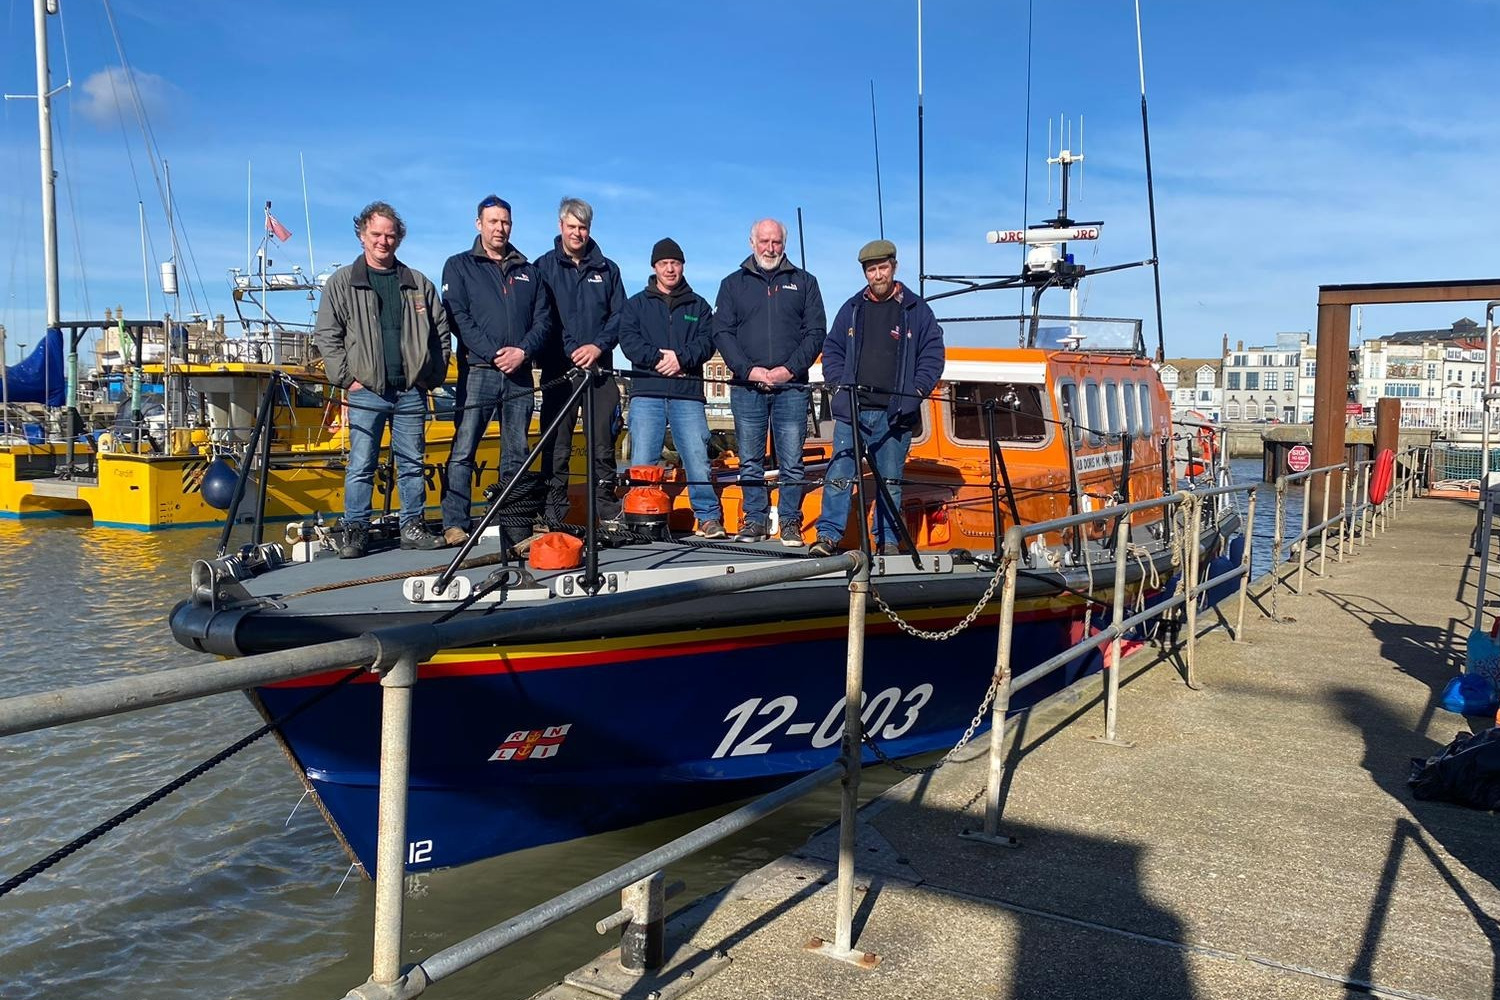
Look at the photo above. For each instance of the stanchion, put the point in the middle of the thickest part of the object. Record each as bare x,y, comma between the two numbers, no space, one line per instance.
1246,560
1008,566
1301,543
1194,507
1323,537
842,946
1112,663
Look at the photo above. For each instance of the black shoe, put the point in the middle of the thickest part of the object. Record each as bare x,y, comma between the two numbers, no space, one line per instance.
751,531
791,535
414,535
356,540
824,547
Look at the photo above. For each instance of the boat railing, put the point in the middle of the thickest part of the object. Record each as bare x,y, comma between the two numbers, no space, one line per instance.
1352,522
395,653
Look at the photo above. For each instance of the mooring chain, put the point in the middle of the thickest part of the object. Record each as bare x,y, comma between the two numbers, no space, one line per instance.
968,619
130,812
974,724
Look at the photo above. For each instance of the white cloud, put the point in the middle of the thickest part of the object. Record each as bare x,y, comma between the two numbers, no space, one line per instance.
107,95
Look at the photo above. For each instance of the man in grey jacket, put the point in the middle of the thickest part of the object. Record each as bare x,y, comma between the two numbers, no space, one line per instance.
383,334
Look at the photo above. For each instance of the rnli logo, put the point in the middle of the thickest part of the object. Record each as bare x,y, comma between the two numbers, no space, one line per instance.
596,279
790,286
532,744
521,277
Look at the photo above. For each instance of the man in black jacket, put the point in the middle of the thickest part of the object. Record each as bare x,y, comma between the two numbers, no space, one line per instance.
769,325
499,307
587,295
667,330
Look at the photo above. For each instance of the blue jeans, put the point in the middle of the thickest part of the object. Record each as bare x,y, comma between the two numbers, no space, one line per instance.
784,413
888,445
480,393
368,412
649,419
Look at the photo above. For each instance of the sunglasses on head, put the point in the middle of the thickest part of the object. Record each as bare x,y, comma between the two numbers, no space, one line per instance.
494,201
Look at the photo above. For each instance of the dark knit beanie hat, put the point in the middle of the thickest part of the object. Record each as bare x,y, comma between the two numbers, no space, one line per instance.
666,249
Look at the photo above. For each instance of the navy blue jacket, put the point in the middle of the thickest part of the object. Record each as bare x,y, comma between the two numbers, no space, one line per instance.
587,299
682,322
919,364
496,303
769,323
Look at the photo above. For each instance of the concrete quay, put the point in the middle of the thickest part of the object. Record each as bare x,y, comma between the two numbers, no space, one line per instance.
1258,839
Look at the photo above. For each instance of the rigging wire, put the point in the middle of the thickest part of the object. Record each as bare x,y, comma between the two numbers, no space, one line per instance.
1026,164
153,148
64,137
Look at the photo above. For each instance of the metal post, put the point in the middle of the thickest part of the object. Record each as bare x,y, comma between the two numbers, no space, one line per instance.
1195,511
851,749
390,848
1276,541
643,939
1344,527
1364,509
1301,545
1246,560
1009,566
1323,540
1112,664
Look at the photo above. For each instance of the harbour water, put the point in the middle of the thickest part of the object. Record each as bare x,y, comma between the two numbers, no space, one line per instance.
228,887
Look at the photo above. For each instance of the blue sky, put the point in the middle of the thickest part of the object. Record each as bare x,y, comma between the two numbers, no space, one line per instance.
1294,143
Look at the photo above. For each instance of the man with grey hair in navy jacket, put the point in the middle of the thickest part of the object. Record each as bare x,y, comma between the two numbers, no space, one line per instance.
587,298
769,326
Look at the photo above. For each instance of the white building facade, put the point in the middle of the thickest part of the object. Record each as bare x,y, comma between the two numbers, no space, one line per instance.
1193,385
1262,383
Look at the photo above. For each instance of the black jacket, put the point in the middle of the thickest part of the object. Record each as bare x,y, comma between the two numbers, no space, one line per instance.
586,300
493,304
682,322
769,323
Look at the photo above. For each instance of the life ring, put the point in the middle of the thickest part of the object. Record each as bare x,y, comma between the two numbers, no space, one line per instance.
1382,475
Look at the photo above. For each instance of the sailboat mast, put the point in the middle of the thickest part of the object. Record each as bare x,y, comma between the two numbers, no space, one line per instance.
49,177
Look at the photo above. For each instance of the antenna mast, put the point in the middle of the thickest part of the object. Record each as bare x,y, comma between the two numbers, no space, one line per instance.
875,131
921,187
1161,349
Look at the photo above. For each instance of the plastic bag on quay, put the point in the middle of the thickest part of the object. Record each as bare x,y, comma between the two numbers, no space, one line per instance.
1466,772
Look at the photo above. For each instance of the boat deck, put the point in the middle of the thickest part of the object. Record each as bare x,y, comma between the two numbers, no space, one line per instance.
1258,840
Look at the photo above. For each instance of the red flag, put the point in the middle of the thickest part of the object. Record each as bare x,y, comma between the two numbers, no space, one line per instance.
276,229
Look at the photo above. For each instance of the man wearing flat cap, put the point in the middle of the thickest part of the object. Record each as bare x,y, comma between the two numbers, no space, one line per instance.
882,357
667,333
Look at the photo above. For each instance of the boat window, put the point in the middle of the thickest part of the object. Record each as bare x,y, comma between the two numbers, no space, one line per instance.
1112,408
1093,418
1067,396
1019,415
1132,424
1146,425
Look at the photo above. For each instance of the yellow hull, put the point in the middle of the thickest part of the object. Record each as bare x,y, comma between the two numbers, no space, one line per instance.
151,492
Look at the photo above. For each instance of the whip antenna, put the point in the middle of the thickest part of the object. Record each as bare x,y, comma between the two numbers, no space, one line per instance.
1161,350
921,187
875,130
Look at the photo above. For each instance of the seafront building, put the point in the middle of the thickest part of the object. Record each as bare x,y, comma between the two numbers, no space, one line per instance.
1193,385
1437,374
1261,383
